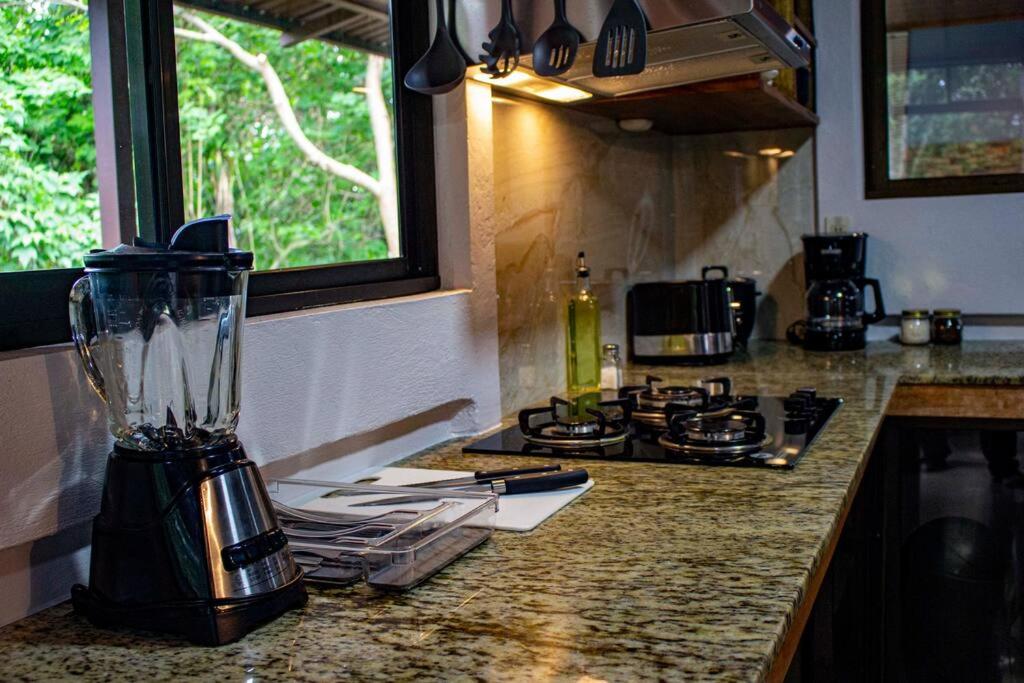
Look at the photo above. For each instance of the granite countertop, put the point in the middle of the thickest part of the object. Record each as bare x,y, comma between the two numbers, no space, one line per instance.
659,571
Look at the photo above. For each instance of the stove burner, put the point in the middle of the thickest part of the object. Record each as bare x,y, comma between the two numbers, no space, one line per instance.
654,405
767,431
726,433
567,429
576,428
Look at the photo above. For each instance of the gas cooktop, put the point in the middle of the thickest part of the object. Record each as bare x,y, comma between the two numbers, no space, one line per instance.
703,424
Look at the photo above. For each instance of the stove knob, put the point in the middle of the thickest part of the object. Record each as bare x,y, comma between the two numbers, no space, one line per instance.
798,403
745,403
796,425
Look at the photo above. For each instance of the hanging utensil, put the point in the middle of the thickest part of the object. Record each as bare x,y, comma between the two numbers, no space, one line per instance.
502,54
442,68
454,34
555,50
622,43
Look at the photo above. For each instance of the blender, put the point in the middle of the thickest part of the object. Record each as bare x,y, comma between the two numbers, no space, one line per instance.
186,540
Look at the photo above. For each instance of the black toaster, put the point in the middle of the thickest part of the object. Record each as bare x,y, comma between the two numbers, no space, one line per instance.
685,322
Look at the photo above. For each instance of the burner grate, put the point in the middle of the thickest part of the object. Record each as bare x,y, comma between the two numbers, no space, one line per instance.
575,425
731,430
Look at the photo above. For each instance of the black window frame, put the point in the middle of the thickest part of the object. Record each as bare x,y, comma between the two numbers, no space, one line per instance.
137,38
878,184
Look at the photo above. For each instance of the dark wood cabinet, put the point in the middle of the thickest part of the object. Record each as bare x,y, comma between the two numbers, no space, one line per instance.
926,582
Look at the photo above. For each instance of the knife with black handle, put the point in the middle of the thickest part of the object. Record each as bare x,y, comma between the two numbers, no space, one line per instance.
484,476
526,483
535,483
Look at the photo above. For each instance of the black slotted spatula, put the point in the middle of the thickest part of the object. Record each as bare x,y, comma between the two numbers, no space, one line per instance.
555,50
622,43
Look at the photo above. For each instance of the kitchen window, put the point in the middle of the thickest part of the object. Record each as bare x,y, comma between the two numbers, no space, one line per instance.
943,97
290,121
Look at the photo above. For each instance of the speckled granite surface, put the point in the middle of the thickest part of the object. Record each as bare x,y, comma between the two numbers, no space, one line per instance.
661,571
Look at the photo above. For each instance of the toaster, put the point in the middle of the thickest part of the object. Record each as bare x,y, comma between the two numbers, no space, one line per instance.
684,322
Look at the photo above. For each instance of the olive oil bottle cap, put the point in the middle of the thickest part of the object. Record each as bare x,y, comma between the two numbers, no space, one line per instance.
582,269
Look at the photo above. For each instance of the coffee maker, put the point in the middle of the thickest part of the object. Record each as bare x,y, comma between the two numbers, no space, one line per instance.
186,540
834,267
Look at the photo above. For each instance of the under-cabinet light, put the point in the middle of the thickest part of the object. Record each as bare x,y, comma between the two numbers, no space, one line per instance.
521,81
770,151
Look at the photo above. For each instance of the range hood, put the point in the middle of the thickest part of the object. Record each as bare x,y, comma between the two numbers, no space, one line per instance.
689,40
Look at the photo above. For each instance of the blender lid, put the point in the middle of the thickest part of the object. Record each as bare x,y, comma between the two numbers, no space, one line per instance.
198,245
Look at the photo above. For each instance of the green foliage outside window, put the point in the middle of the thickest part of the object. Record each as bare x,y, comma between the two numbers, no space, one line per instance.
236,155
288,211
49,208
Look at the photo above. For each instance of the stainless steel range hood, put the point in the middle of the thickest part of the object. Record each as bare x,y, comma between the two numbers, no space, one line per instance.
690,40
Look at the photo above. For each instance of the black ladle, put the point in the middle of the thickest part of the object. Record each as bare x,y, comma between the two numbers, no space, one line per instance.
555,50
442,68
452,32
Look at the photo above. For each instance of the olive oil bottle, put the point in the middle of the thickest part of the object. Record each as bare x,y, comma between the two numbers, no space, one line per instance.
583,335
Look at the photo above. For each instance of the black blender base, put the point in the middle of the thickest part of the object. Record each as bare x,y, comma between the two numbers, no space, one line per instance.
214,622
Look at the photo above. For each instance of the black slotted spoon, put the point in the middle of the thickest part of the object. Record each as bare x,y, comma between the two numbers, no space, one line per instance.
622,43
555,50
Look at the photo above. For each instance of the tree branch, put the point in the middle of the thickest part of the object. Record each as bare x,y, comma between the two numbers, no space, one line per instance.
279,98
73,4
380,122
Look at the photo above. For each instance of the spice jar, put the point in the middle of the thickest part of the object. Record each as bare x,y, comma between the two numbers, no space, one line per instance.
947,327
915,327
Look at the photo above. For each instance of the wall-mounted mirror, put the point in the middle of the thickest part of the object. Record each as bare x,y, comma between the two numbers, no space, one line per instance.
943,100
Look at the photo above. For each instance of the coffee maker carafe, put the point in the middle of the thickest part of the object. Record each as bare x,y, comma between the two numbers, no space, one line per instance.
186,540
834,267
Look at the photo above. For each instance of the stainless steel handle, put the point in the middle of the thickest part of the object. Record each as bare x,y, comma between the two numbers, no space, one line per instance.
80,309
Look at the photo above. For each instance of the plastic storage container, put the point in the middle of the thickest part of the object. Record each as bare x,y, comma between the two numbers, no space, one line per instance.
392,546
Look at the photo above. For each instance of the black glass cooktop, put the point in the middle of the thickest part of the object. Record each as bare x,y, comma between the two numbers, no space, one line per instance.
785,444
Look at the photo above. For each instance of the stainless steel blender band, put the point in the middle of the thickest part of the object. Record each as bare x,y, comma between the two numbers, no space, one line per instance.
238,510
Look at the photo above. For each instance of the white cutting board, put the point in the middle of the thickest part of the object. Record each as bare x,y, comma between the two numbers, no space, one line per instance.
521,512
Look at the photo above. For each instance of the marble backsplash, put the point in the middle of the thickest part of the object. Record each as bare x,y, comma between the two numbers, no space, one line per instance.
643,207
566,182
739,205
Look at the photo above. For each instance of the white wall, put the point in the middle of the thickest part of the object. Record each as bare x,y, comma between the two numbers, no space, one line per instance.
965,252
367,382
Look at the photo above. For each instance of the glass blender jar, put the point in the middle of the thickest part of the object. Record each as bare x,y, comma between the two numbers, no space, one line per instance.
159,333
186,540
